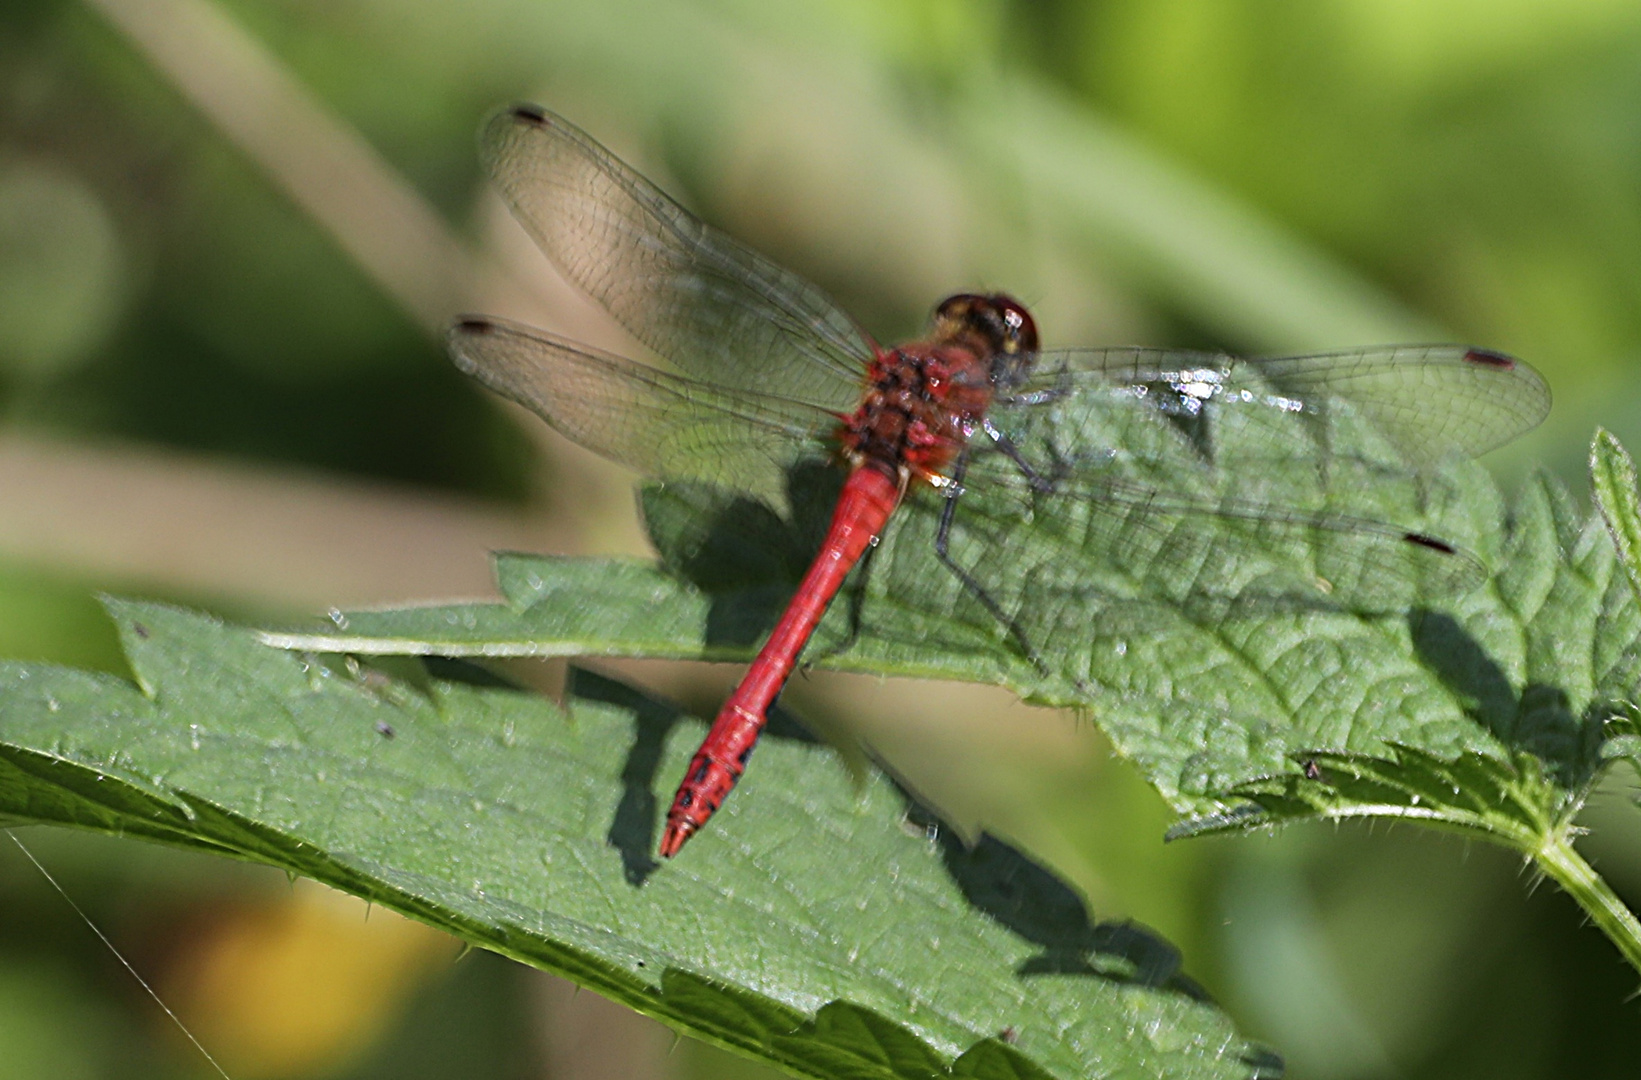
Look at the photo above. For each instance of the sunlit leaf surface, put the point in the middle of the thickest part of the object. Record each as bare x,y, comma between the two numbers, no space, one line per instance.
822,925
1214,648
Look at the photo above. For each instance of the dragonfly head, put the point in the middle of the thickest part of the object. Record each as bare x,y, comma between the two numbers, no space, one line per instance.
1001,323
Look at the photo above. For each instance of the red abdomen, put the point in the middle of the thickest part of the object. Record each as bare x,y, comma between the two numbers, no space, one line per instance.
868,498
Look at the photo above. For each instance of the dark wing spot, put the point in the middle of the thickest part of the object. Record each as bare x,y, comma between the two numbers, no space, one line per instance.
530,114
472,324
1430,542
1489,358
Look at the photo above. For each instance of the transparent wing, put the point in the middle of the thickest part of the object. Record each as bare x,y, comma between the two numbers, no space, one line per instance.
713,307
1323,546
664,425
1197,479
1435,401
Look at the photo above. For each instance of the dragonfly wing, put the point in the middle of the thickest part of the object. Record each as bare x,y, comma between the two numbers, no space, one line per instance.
1431,401
1451,398
1320,549
663,425
710,305
1187,477
1188,593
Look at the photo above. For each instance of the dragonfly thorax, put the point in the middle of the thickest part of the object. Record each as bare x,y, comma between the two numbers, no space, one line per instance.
922,402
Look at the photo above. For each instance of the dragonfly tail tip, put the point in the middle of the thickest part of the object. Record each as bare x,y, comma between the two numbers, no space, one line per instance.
673,838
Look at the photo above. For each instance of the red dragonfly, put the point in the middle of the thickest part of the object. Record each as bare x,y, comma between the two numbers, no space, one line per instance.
767,373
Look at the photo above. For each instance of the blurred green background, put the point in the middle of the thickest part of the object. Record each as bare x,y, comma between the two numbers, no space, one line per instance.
229,232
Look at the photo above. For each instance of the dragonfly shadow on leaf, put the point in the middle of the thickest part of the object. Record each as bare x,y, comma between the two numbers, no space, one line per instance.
457,670
633,829
1034,904
1539,721
635,826
739,551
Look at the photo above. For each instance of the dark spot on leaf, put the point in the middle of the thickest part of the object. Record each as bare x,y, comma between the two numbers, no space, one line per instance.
385,729
139,629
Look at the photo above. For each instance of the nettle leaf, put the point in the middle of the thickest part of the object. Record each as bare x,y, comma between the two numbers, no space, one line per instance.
1613,479
1513,802
824,925
1225,654
1544,665
1204,693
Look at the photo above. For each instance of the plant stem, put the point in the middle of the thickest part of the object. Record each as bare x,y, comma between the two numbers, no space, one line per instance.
1558,859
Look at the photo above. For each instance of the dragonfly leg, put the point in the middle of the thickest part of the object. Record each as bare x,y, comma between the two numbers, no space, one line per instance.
1043,484
942,550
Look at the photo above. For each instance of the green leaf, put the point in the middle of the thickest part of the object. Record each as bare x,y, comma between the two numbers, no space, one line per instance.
822,926
1217,651
1533,674
1543,666
1612,478
1510,803
1560,699
1204,694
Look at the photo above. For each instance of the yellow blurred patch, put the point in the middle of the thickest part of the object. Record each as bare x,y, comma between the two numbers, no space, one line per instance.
301,984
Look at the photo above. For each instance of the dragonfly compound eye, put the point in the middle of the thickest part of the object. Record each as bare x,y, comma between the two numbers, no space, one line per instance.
1019,328
1001,320
956,311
